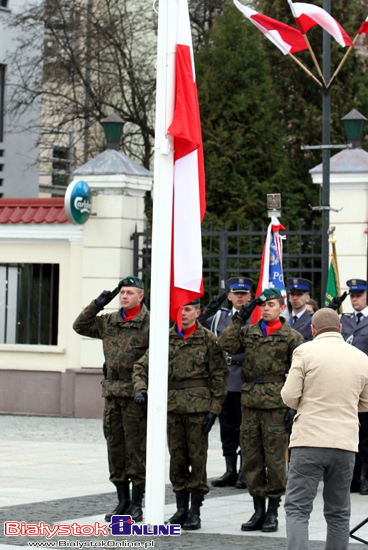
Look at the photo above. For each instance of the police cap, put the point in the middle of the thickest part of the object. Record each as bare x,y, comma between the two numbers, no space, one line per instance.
299,285
239,284
356,286
131,280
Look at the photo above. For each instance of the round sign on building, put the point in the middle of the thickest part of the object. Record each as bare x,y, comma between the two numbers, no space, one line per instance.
78,202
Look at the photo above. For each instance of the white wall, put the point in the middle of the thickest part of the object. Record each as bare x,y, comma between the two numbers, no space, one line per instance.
60,244
349,195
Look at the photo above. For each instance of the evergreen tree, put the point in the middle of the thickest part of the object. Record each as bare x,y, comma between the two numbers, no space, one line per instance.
301,97
242,129
258,108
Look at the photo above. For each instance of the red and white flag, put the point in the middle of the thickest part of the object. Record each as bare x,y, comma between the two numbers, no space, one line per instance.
308,15
271,265
189,185
284,37
364,27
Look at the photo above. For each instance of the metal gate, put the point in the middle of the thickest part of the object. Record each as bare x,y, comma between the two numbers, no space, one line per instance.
238,253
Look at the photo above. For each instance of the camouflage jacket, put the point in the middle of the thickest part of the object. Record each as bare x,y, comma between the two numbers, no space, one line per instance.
263,357
123,344
199,357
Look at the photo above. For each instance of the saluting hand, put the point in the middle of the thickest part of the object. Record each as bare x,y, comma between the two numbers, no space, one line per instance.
337,301
105,297
214,304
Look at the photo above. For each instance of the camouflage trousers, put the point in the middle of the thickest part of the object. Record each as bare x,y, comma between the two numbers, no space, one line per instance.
188,452
124,425
264,441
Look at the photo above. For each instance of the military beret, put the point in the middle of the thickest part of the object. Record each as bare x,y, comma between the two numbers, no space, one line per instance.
194,302
270,294
131,280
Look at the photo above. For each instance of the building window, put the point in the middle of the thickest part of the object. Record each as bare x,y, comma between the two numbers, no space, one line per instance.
4,3
2,93
60,166
29,303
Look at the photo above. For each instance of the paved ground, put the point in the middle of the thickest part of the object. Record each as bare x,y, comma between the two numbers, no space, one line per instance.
55,470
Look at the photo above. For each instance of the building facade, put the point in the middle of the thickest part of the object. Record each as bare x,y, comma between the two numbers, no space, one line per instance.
50,269
18,150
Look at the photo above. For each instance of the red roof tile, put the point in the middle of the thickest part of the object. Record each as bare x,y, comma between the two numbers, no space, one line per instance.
32,211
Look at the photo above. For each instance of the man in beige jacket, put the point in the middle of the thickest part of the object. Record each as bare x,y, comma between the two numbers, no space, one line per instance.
328,385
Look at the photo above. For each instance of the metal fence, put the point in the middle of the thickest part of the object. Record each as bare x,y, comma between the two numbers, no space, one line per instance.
238,253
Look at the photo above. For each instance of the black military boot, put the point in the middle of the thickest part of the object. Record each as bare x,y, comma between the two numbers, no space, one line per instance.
363,482
256,521
240,482
135,509
182,504
123,501
271,523
193,521
230,476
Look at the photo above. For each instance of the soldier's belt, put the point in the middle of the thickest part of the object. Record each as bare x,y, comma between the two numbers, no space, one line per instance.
184,384
265,379
231,361
115,375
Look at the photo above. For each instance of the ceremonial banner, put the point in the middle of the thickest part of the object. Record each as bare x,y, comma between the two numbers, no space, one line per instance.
271,266
333,281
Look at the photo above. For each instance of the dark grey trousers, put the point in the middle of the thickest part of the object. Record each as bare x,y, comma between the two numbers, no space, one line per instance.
308,466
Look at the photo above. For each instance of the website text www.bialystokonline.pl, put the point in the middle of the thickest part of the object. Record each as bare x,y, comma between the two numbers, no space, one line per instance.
91,544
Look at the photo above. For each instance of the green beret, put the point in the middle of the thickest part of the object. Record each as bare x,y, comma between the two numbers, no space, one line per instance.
131,280
270,294
194,302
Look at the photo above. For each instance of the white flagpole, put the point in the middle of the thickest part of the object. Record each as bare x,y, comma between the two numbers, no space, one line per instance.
160,268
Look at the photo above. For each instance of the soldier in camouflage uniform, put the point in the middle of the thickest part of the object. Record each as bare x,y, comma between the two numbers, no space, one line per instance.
197,388
268,347
125,338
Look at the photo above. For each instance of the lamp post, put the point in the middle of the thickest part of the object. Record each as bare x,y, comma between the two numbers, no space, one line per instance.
113,127
354,123
326,140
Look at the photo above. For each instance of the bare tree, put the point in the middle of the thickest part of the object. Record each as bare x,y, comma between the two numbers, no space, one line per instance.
98,57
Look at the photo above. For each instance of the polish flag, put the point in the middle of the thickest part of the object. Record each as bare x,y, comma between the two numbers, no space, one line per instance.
286,38
271,265
308,15
189,202
364,27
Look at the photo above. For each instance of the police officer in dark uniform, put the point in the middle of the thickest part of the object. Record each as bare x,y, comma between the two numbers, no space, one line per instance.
239,293
355,332
299,295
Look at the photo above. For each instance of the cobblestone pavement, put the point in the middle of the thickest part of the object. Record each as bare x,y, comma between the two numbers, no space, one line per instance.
57,511
66,433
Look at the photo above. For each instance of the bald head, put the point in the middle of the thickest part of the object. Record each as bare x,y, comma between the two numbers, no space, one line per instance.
325,319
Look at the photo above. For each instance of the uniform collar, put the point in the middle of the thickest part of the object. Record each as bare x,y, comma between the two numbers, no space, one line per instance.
117,316
299,314
364,311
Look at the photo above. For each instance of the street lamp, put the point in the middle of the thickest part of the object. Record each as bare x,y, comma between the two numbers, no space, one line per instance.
354,123
113,127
